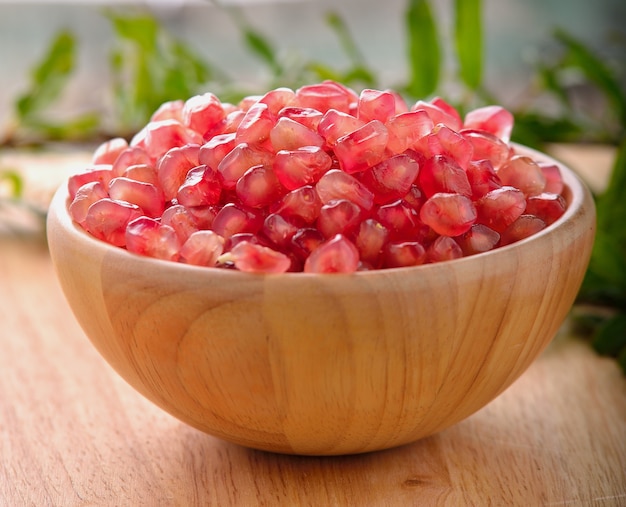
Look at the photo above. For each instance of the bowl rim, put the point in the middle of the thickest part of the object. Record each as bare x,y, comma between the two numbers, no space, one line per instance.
575,190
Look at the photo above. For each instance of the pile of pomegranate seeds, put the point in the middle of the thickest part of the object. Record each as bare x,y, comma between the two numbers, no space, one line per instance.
320,180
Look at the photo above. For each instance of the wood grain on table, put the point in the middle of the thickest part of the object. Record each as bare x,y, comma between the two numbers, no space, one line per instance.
73,433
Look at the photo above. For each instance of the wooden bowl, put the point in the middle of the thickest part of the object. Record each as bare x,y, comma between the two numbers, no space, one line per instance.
325,364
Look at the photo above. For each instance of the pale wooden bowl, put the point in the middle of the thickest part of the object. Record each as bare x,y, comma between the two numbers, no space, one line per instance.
325,364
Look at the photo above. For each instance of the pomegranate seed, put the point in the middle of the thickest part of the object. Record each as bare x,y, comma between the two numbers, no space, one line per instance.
145,173
547,206
482,178
288,134
449,110
493,119
375,105
146,236
202,248
391,179
401,220
554,180
478,239
108,151
336,124
203,215
406,129
160,136
253,258
256,125
303,203
202,113
239,160
336,255
231,122
524,227
278,99
201,187
370,239
523,173
403,254
444,141
233,219
338,217
362,148
439,115
215,149
101,173
414,197
278,229
487,146
336,184
181,220
171,110
442,174
300,167
499,208
324,96
259,187
448,214
145,195
444,248
133,155
107,220
172,168
304,241
84,198
306,116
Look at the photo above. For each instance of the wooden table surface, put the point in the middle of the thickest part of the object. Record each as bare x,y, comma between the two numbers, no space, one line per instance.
72,433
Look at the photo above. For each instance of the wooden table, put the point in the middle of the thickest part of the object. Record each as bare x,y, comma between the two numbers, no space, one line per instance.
72,433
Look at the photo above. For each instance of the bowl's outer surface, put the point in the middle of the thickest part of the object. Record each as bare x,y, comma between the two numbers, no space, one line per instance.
325,364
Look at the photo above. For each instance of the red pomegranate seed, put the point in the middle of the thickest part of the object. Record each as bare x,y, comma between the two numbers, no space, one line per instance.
444,141
401,105
233,219
554,180
202,248
303,203
442,174
493,119
253,258
160,136
172,168
370,239
201,187
523,173
306,116
288,134
84,198
414,197
148,197
302,166
215,149
487,146
375,105
202,113
547,206
133,155
239,160
146,236
478,239
142,172
482,178
108,151
171,110
444,248
401,220
438,114
391,179
338,217
203,215
336,184
278,99
304,241
448,214
363,148
336,255
259,187
278,229
181,220
325,96
449,109
524,227
499,208
101,173
336,124
107,220
256,125
406,129
403,254
231,122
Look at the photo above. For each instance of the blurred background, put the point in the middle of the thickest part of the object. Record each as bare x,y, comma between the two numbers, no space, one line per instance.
517,39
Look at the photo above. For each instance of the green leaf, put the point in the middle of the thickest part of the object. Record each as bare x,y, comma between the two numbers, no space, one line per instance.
48,77
15,180
349,46
77,129
596,72
141,30
610,337
261,46
424,52
611,205
469,41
